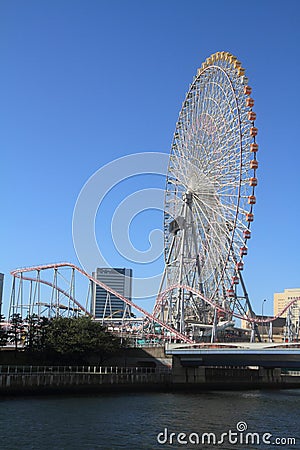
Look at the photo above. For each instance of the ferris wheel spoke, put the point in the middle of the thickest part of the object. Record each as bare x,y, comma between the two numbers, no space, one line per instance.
206,248
215,228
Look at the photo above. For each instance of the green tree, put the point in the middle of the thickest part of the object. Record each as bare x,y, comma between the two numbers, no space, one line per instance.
76,338
16,329
36,329
3,332
43,327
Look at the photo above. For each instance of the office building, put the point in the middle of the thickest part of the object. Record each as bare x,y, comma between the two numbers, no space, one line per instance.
282,299
106,305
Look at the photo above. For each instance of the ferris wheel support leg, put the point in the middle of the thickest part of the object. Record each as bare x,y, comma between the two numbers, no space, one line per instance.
180,304
159,307
214,327
255,331
200,287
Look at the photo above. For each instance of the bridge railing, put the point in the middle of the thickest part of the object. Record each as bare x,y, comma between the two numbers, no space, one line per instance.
290,372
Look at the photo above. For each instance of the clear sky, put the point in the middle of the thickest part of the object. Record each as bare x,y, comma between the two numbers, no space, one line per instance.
85,82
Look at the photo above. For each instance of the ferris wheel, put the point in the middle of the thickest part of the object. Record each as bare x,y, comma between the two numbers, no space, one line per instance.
209,198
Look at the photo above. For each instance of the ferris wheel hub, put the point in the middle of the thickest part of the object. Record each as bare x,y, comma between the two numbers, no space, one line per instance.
187,197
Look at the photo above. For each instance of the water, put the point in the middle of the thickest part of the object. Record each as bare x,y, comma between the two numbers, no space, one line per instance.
133,421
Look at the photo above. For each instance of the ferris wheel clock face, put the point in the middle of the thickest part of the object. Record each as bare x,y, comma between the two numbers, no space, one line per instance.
211,180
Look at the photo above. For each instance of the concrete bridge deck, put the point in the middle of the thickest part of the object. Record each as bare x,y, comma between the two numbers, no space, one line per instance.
237,354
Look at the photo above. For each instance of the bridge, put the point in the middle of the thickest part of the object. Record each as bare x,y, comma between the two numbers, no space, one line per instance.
237,355
240,365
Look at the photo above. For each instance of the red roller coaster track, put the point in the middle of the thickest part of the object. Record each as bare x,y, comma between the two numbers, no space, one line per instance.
18,273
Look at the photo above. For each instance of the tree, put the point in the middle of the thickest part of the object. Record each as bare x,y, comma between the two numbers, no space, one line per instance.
75,338
43,327
3,332
16,328
36,329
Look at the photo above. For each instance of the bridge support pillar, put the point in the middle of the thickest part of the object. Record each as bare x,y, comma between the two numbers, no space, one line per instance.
187,375
269,375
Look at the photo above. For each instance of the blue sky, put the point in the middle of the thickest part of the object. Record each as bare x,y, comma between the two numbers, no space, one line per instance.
85,82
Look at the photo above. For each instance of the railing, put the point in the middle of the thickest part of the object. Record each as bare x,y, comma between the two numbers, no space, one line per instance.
291,373
27,370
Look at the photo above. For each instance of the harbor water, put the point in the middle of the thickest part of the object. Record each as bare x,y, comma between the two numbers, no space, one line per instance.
218,419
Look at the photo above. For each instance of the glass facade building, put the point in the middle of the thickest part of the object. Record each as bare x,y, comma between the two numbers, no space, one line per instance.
106,305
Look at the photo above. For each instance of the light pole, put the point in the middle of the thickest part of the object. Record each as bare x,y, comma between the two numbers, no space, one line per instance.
262,315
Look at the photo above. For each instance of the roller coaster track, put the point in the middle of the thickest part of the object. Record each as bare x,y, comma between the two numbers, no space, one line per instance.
219,308
19,273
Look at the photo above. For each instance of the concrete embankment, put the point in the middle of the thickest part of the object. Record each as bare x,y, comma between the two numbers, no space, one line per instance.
24,380
230,378
46,379
134,369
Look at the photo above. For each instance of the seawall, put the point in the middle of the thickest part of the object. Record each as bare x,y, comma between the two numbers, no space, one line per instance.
24,380
46,379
